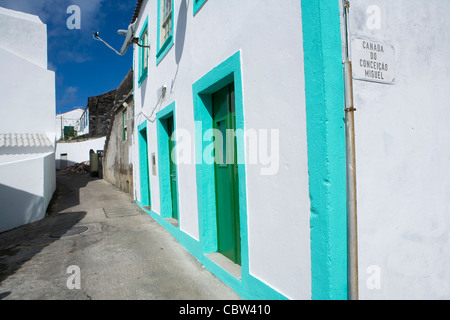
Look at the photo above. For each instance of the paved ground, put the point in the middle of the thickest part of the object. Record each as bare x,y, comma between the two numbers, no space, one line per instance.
122,253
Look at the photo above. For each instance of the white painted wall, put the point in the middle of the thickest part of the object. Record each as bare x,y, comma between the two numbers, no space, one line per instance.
27,91
23,60
28,96
403,154
77,152
269,35
26,188
71,118
24,35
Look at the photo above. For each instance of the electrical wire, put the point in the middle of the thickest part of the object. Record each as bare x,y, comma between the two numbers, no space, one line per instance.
163,93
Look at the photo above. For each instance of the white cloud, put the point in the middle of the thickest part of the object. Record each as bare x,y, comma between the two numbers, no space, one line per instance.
70,96
54,11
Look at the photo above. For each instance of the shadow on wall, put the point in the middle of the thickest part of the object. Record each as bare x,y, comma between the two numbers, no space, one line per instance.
63,164
180,36
19,207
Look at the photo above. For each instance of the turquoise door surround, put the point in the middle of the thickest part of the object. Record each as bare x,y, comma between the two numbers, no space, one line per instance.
227,72
144,176
167,188
324,88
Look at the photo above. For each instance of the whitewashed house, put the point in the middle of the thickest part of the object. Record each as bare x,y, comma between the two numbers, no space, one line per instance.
27,120
240,150
90,126
70,152
74,120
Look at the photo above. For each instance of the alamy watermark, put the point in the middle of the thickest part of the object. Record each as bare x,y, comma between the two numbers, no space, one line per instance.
226,147
373,281
74,280
74,20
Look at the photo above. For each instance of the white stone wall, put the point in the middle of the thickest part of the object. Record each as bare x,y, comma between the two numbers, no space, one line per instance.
24,35
26,188
403,154
27,91
27,88
77,152
269,36
71,118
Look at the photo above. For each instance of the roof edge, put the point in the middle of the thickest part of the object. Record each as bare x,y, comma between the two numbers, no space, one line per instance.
137,10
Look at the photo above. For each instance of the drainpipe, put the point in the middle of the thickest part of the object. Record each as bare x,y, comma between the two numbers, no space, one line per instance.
352,238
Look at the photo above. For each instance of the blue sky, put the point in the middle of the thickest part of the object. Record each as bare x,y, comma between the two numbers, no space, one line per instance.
83,67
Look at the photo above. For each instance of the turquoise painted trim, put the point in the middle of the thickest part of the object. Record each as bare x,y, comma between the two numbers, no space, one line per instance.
163,49
219,77
143,73
252,288
164,159
324,89
162,52
189,243
144,170
198,4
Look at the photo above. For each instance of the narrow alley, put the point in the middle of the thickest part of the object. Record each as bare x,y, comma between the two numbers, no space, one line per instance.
94,231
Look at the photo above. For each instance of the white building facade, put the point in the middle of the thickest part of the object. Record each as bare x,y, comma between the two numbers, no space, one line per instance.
240,151
69,153
76,119
27,120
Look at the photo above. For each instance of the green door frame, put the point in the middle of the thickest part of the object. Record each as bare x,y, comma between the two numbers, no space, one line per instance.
144,176
224,74
165,162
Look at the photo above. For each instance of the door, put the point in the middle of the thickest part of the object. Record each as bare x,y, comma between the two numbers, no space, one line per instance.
143,168
226,175
173,167
63,160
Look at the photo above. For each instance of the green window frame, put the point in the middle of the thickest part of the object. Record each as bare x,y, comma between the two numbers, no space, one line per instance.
198,4
165,28
143,53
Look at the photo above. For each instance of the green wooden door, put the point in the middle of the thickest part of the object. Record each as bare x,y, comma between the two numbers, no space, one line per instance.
173,168
226,175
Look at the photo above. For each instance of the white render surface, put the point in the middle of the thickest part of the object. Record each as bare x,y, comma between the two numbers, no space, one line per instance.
27,120
70,118
77,152
278,206
26,188
403,154
24,35
24,98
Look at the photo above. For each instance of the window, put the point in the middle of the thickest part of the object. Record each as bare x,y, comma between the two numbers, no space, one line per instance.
166,22
69,132
143,53
198,4
165,27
